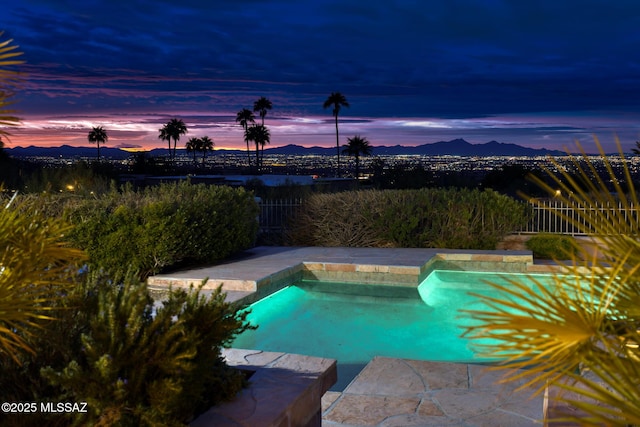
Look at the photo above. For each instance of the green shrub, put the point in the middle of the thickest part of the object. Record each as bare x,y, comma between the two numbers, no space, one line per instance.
552,246
163,226
429,217
131,367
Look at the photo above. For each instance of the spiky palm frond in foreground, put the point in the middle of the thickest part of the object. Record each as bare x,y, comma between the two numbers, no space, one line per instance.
34,266
8,80
582,335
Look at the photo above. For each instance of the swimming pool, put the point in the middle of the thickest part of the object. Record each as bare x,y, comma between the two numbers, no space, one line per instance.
355,322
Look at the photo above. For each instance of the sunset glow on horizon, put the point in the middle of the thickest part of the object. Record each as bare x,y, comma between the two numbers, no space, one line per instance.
514,72
135,133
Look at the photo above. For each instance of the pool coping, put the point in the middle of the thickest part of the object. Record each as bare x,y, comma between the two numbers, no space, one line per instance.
266,269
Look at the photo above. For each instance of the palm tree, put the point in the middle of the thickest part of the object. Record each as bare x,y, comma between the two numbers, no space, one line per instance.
8,79
337,100
176,128
357,146
165,136
172,130
98,135
261,106
583,335
244,118
193,145
260,135
206,144
637,149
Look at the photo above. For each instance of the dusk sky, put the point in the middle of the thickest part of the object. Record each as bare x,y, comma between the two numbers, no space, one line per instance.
541,73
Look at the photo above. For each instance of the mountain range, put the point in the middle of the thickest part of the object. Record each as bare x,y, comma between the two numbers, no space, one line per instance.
456,147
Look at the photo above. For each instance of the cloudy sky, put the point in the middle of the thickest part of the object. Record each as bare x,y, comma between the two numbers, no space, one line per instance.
541,73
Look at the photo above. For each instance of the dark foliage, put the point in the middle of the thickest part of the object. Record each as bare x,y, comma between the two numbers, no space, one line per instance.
132,366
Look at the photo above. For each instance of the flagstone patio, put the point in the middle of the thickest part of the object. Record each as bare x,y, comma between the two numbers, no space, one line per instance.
397,392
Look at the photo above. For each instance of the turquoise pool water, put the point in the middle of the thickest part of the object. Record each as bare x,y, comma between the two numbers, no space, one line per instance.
354,323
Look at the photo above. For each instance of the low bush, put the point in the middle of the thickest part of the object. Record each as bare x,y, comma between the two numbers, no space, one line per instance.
132,367
553,246
163,226
429,217
337,219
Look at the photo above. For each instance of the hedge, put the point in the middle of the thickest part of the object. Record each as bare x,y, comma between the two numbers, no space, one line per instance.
552,246
429,217
163,226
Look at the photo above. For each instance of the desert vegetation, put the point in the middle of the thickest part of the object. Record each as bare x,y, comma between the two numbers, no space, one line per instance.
133,364
430,217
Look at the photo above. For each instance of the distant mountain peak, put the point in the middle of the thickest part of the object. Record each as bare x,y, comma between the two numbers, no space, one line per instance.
461,147
455,147
456,141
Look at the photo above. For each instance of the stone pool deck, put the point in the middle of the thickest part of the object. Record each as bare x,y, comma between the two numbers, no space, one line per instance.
260,269
387,392
397,392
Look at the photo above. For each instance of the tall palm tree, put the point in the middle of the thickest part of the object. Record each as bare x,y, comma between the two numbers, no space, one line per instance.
357,146
193,145
165,136
206,144
582,336
636,150
176,128
98,135
260,135
8,80
244,118
261,106
337,100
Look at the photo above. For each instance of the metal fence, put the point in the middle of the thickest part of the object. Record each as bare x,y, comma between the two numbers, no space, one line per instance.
553,216
275,213
549,216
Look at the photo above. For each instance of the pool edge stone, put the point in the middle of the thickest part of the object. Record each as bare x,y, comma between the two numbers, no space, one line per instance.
407,272
285,390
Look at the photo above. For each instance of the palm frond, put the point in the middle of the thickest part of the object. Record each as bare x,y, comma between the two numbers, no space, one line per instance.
9,79
35,267
582,334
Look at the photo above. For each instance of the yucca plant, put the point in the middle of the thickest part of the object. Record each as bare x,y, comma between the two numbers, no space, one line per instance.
581,336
